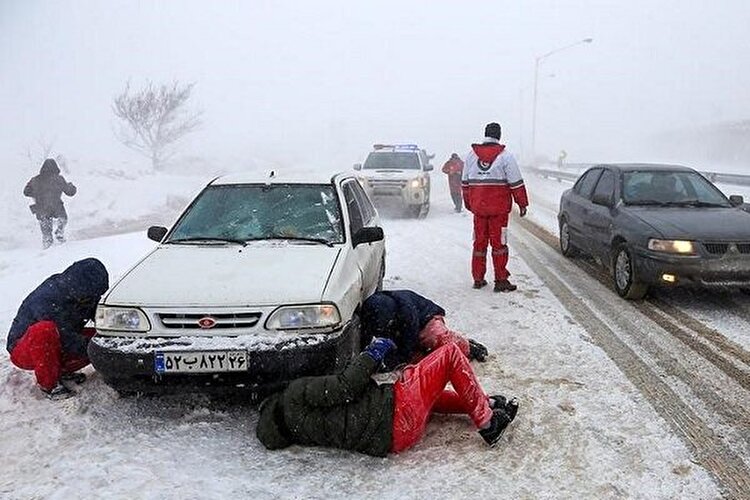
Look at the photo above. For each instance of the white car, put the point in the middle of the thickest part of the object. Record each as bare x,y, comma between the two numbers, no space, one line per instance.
398,173
259,281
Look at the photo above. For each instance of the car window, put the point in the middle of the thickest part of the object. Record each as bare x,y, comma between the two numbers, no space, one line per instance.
365,205
392,160
355,215
606,184
259,211
585,185
665,187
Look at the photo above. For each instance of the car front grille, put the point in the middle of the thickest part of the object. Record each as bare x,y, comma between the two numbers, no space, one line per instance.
722,247
387,183
221,321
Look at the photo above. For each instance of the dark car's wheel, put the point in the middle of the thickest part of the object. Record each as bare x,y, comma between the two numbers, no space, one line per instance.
623,274
566,247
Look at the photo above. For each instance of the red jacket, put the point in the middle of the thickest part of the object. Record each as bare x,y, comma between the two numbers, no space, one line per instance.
491,181
454,168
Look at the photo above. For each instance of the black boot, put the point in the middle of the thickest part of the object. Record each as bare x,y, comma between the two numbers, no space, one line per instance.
479,284
497,401
58,392
498,424
76,378
505,286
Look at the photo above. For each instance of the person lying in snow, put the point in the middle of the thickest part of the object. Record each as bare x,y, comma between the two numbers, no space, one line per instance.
48,334
351,411
416,324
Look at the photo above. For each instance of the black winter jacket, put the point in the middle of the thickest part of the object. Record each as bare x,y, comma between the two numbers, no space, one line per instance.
348,410
47,189
398,315
69,299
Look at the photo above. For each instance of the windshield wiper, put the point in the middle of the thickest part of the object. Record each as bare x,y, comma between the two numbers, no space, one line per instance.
656,203
699,203
293,238
209,238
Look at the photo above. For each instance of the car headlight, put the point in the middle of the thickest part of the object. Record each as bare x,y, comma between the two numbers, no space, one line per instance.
128,319
304,317
415,183
671,246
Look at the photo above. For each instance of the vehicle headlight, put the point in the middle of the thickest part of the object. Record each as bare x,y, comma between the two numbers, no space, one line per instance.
304,317
671,246
121,318
415,183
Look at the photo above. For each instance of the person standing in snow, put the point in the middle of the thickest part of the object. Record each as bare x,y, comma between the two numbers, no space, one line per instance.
415,323
47,189
454,168
352,411
491,182
48,334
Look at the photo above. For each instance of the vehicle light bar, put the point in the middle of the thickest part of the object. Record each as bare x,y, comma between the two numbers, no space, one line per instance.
410,147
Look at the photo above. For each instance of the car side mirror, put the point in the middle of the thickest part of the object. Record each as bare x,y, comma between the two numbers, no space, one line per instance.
602,199
357,166
428,167
736,200
157,233
368,235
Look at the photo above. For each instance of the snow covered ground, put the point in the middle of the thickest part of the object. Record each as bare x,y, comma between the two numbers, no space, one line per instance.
584,430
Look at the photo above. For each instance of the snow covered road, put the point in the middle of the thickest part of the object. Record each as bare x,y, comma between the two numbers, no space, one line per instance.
613,405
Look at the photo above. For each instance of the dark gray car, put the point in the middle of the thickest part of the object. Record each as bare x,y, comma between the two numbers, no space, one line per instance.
656,225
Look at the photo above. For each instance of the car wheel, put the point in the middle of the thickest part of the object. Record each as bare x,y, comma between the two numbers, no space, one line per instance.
425,209
623,275
566,247
414,211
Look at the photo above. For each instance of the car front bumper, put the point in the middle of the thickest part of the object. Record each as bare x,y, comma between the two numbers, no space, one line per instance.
407,195
727,271
128,363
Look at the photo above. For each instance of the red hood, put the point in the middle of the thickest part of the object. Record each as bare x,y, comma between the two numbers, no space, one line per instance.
488,152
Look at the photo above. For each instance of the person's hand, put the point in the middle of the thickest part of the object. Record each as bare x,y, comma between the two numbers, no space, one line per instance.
379,347
522,211
477,351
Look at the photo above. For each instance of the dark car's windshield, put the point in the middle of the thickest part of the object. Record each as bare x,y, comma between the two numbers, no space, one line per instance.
238,213
395,160
670,188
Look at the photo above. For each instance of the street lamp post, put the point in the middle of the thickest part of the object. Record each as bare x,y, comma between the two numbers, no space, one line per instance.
539,59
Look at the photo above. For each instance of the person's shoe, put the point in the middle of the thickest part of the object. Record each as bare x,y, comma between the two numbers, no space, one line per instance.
76,378
479,284
511,408
505,286
497,401
58,392
498,423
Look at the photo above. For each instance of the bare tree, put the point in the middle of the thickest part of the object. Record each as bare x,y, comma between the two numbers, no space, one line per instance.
154,119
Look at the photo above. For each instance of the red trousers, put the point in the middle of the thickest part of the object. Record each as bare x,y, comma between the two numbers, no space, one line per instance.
490,230
435,334
421,391
40,350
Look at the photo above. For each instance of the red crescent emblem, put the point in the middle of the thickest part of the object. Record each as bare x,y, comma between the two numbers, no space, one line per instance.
207,322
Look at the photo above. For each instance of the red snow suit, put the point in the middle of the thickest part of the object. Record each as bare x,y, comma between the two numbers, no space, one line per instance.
40,349
454,168
491,183
421,391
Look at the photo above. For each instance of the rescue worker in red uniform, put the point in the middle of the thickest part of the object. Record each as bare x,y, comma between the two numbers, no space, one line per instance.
491,182
454,168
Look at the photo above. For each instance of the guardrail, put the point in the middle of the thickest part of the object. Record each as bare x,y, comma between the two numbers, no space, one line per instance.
716,177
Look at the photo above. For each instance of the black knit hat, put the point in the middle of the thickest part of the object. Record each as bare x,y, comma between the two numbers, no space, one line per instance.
493,130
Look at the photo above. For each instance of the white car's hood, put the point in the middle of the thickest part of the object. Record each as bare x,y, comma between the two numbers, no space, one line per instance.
259,274
391,174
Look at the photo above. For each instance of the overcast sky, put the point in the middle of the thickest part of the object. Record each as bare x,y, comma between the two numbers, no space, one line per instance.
320,81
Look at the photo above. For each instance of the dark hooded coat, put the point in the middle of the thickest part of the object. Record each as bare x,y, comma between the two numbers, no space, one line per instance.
68,299
348,411
47,189
398,315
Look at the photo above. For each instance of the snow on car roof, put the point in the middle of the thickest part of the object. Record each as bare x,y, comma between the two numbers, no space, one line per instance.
644,166
280,177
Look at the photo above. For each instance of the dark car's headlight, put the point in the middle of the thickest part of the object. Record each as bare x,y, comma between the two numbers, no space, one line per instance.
129,319
317,316
682,247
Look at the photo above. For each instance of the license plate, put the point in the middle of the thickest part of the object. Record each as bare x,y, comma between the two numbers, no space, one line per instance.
200,362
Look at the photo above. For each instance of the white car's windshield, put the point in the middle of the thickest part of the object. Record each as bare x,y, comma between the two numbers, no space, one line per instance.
240,213
395,160
670,188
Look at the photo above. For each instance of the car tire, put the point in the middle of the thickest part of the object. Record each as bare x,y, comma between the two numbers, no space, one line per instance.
414,211
624,279
425,209
566,247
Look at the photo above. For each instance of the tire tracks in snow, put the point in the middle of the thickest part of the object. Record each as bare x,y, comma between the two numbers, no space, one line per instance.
713,449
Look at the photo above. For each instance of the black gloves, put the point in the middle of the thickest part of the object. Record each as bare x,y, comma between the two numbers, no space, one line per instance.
477,351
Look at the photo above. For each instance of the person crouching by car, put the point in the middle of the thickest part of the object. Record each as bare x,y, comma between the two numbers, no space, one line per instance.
47,189
48,334
415,323
351,411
